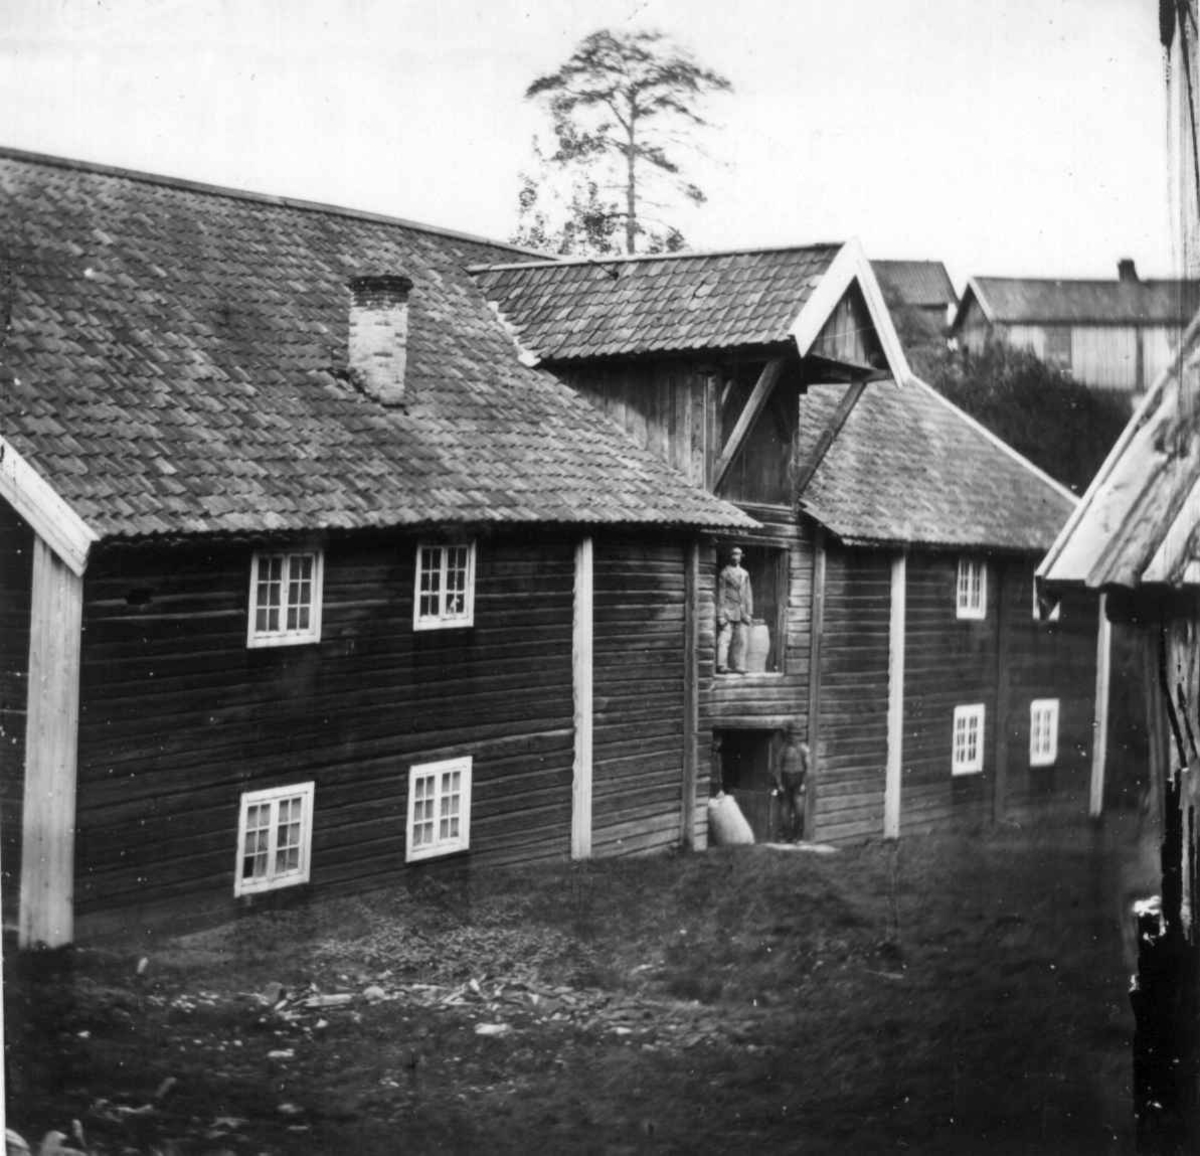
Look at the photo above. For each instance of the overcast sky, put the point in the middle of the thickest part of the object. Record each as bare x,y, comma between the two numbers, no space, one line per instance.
1001,136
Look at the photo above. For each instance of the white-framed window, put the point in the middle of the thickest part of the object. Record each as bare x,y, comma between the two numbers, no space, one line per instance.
445,594
966,756
274,838
971,598
1051,615
439,808
285,598
1043,732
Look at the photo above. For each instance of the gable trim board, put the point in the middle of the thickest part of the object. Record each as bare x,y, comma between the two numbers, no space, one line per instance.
849,265
63,530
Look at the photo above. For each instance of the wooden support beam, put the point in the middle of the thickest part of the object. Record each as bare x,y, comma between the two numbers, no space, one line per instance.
814,684
1100,726
691,693
828,434
754,404
582,678
47,896
895,713
1000,714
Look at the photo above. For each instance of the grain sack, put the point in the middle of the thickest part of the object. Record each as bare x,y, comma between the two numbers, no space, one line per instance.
727,825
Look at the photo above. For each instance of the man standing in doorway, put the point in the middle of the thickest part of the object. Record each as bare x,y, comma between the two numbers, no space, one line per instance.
735,612
791,785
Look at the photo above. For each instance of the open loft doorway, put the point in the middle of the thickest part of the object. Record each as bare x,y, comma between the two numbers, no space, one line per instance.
744,761
752,601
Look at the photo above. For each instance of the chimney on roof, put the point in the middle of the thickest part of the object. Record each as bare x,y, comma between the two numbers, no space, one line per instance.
1126,270
379,334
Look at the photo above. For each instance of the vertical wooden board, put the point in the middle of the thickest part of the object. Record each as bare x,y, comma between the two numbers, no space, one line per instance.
582,688
895,743
691,692
46,915
1103,686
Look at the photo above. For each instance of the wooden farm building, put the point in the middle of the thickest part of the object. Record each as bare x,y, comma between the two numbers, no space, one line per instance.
894,560
335,547
922,286
1112,335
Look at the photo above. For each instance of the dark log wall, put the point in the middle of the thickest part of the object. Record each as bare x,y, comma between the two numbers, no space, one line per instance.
16,576
638,696
1050,660
852,754
949,662
179,717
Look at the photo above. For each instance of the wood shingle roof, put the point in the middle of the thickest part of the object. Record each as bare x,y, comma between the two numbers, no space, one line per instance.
563,311
1030,300
909,467
174,361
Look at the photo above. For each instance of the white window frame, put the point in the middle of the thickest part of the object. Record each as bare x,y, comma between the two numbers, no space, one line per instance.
275,879
962,761
1052,615
440,845
441,619
967,606
1043,743
282,636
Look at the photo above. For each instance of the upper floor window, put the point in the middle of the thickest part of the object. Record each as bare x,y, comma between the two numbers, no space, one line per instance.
445,594
439,808
1043,732
274,838
967,754
285,598
971,598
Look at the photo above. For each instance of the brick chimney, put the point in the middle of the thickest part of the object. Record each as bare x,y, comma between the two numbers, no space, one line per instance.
379,334
1126,270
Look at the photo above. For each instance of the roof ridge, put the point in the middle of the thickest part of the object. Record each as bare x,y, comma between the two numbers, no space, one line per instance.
631,258
1113,281
188,184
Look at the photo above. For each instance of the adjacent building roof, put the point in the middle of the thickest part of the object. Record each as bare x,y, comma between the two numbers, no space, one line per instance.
565,310
1129,301
923,284
174,361
909,467
1138,524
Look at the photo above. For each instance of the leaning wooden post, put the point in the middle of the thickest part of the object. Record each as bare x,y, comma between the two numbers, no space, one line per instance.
581,659
47,897
691,693
1100,725
895,711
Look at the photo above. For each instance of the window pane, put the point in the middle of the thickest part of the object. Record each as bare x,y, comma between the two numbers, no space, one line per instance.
268,592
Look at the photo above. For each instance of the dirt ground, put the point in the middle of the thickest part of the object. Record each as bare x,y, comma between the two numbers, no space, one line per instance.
936,996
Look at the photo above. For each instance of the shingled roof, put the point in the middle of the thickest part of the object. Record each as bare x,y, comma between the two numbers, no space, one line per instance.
175,362
1138,524
1028,300
924,284
561,311
909,467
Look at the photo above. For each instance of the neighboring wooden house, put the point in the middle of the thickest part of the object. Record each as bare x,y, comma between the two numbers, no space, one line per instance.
924,287
305,581
1112,335
1135,538
893,566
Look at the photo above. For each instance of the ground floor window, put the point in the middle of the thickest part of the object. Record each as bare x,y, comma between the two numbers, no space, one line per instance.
439,808
274,838
1043,732
967,752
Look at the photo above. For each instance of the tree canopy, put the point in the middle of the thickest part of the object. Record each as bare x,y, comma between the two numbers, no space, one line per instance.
624,109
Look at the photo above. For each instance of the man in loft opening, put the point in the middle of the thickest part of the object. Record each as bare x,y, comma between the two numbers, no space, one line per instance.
735,612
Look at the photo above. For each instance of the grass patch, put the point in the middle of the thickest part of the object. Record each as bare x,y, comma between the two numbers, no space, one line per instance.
940,996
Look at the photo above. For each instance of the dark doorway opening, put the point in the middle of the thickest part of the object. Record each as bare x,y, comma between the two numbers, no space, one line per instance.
746,759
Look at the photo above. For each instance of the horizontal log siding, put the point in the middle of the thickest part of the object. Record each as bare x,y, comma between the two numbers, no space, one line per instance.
16,577
854,694
179,716
949,662
754,700
637,778
1050,660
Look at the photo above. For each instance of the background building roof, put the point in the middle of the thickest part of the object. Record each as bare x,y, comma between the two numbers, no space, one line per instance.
924,284
909,467
175,362
1025,300
561,311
